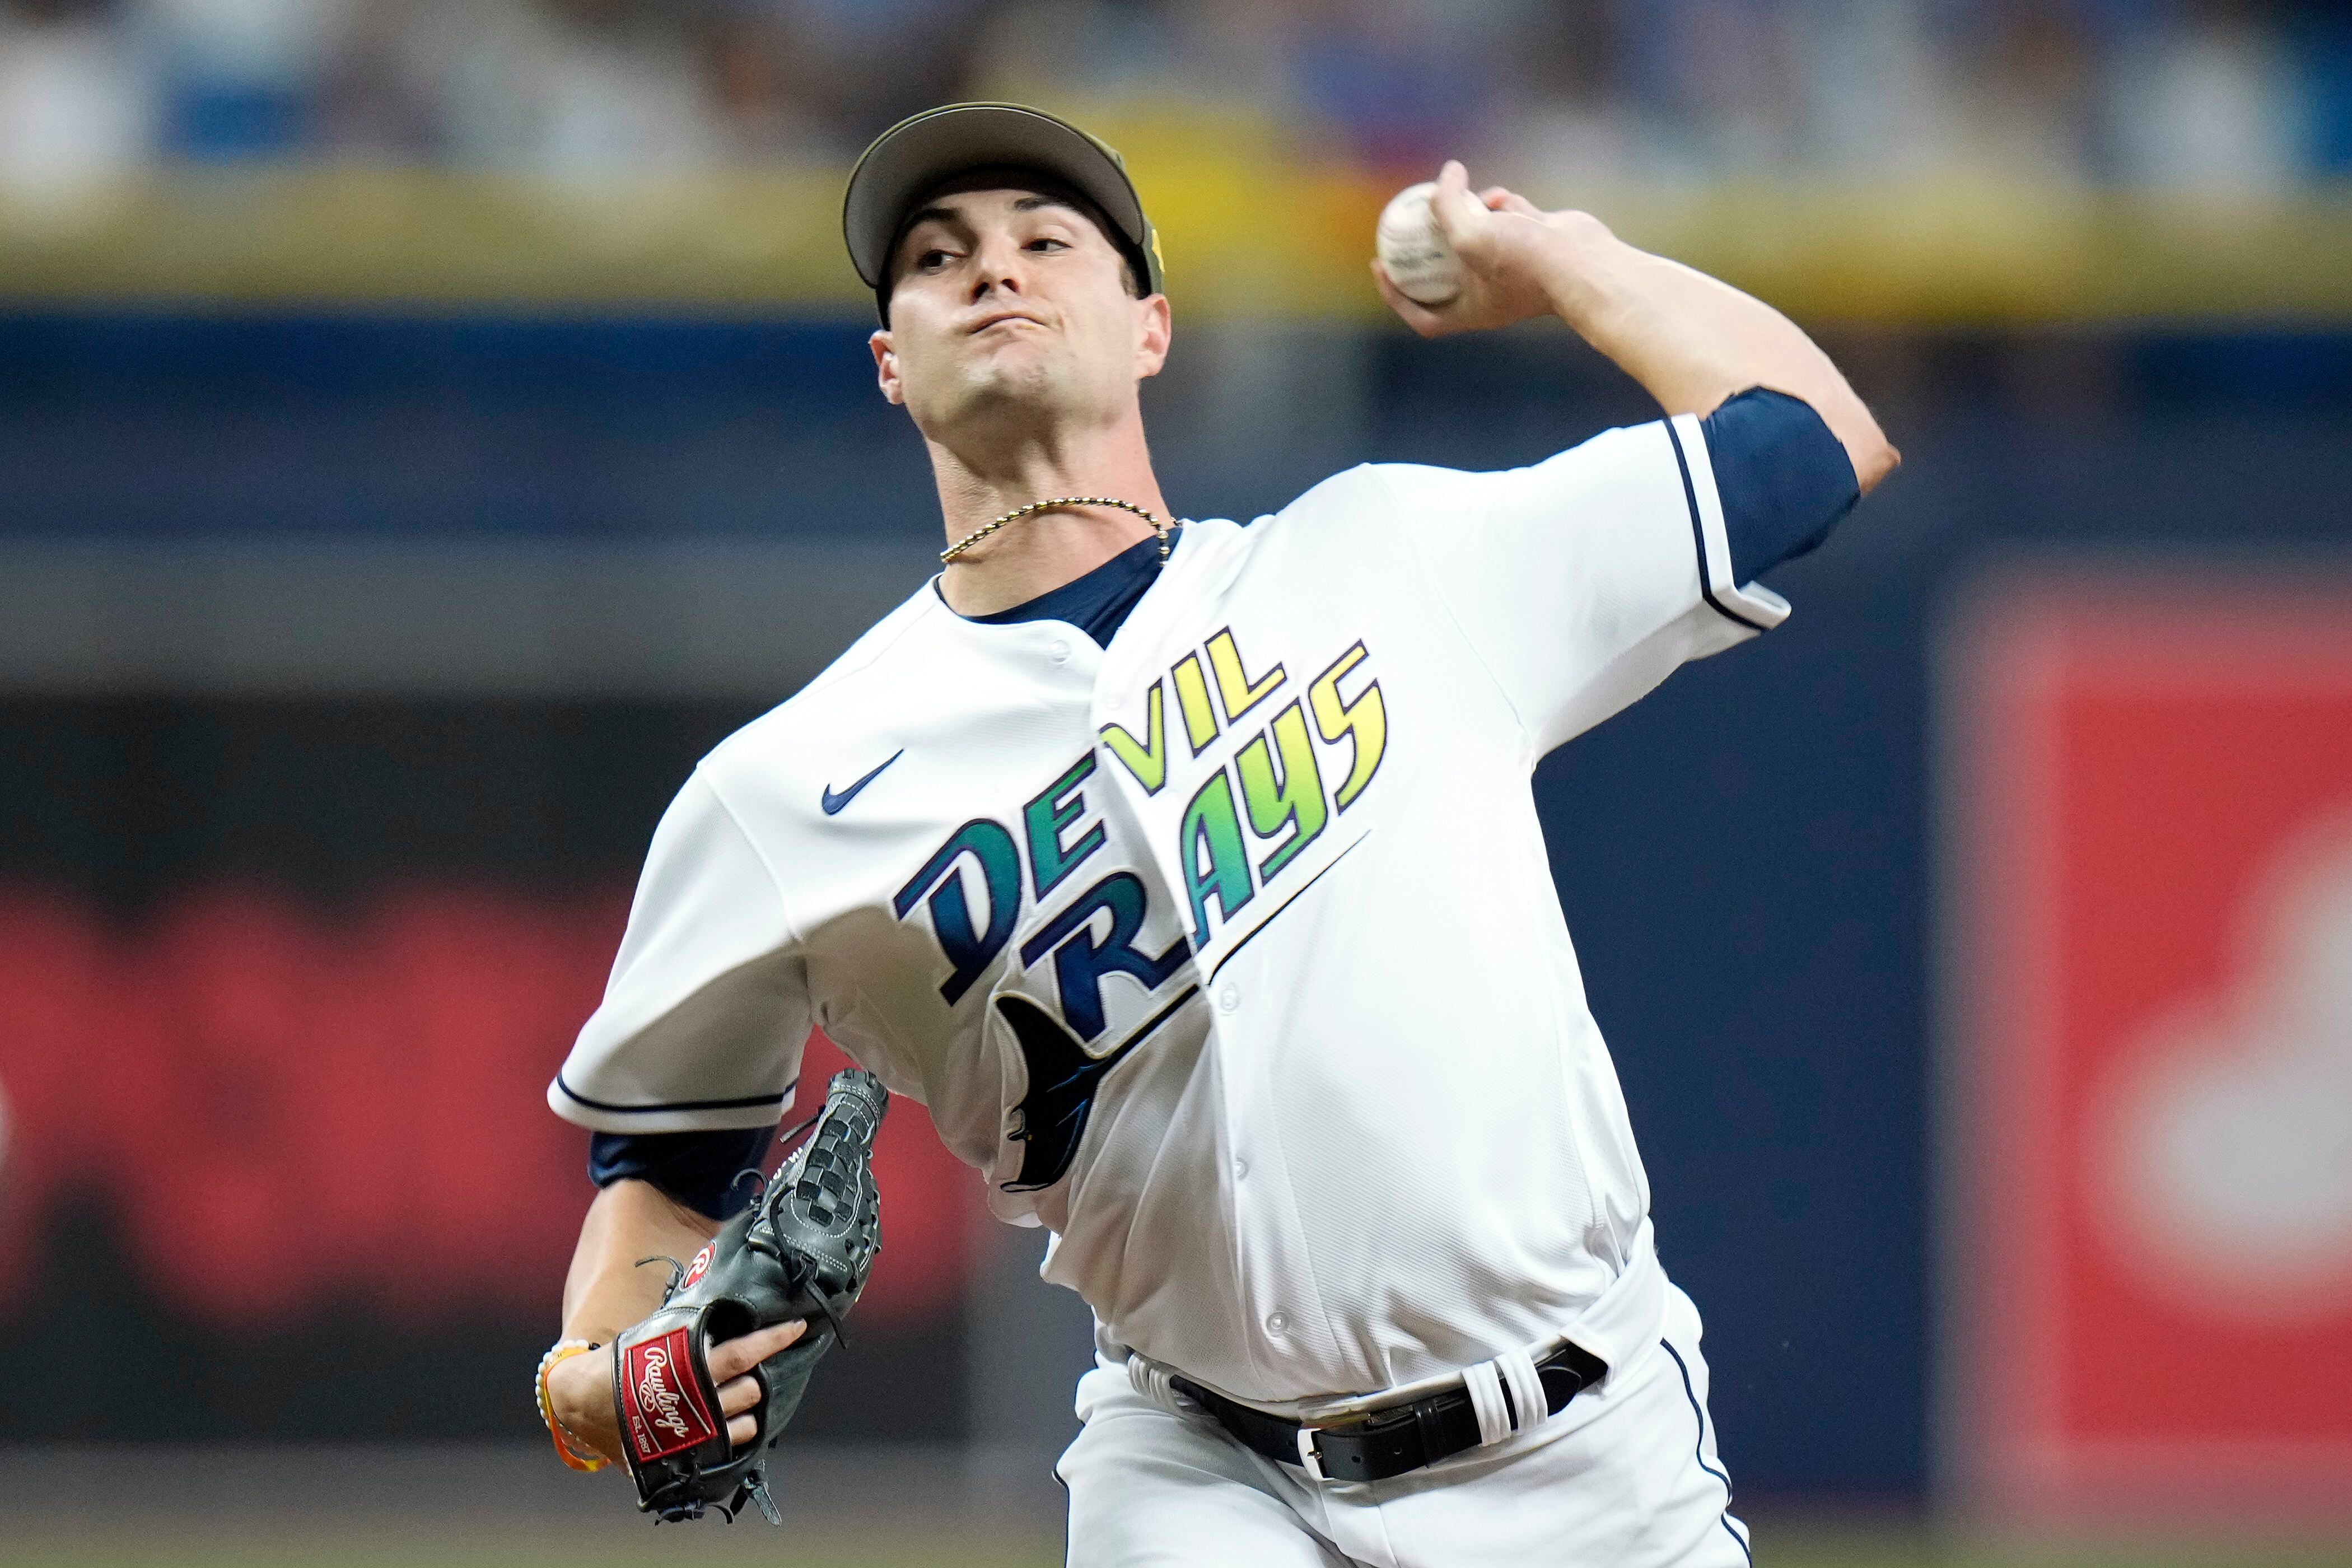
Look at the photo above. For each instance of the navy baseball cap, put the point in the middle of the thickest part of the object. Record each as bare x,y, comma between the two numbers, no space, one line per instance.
916,155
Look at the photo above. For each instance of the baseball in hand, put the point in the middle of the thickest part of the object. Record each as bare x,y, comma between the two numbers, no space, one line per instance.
1413,249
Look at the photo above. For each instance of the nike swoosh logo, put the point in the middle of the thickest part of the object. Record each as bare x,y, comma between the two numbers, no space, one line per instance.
832,801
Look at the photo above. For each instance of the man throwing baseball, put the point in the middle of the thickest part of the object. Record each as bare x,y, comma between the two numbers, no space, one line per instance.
1188,873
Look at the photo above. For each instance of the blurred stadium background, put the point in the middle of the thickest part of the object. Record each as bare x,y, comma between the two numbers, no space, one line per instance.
427,426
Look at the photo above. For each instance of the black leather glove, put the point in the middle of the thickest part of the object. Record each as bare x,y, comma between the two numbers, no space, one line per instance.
802,1250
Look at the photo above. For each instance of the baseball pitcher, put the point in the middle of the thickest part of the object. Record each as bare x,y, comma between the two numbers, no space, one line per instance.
1187,872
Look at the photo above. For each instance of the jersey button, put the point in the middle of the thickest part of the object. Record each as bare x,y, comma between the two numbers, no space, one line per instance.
1228,999
1059,651
1277,1323
1240,1169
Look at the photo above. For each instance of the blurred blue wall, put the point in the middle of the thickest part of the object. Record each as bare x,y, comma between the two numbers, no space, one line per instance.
1745,857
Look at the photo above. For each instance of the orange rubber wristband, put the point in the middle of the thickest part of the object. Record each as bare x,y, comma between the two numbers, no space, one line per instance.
563,1351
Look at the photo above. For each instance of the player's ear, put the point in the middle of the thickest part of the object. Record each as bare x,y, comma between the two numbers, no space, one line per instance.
886,366
1153,328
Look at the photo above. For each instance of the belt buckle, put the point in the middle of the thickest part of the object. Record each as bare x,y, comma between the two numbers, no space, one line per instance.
1308,1459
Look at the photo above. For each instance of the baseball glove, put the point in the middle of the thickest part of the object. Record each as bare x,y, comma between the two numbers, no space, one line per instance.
802,1250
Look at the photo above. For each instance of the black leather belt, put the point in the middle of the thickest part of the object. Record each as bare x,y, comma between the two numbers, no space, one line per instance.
1396,1441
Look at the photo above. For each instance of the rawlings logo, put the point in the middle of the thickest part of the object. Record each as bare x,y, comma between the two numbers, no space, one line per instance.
698,1268
655,1393
665,1409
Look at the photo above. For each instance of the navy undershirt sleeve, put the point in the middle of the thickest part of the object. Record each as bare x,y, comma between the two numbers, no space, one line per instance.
1784,480
697,1169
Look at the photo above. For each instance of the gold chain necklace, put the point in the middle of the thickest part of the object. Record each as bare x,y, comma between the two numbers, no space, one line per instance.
967,541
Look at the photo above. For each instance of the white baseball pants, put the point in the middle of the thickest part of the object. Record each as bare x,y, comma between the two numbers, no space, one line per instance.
1624,1477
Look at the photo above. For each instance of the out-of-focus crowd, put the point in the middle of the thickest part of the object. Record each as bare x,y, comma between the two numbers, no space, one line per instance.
2207,93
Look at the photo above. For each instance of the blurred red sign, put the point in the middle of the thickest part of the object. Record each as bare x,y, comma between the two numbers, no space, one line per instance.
292,1109
2153,1156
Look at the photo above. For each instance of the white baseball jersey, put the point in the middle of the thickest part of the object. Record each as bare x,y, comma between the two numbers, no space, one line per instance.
1230,953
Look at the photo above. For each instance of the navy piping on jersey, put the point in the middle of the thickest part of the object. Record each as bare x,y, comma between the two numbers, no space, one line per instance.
1066,1505
1782,478
1699,1450
746,1103
1699,536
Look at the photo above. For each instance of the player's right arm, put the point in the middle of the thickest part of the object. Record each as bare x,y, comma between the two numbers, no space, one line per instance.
1690,340
1583,580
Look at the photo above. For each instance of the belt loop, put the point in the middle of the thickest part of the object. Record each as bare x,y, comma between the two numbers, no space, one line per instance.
1155,1382
1485,1385
1308,1457
1528,1404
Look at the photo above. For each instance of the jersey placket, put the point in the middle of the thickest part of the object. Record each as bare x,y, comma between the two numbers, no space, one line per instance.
1271,1311
1122,696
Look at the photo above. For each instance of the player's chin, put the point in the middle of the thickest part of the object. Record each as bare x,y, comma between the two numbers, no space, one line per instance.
999,384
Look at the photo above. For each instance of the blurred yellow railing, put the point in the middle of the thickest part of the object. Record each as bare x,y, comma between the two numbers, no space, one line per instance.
1245,234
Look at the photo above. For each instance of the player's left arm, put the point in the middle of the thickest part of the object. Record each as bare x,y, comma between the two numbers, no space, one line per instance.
1690,340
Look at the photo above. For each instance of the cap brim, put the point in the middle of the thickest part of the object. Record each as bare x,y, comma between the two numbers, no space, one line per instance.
917,154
